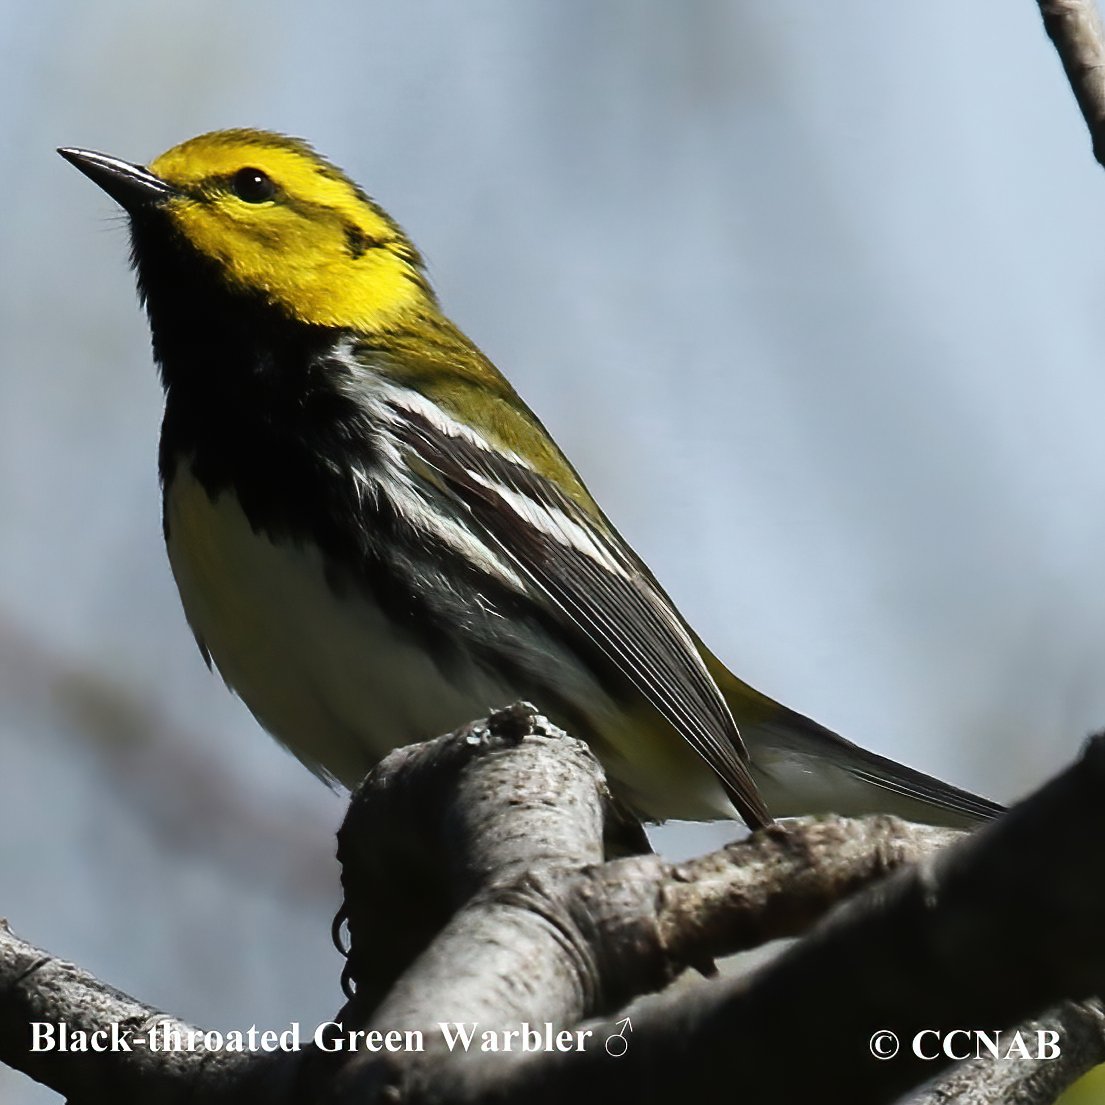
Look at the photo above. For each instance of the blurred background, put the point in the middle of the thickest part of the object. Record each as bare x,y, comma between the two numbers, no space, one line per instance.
810,293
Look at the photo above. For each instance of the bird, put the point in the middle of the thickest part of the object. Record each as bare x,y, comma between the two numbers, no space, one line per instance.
375,539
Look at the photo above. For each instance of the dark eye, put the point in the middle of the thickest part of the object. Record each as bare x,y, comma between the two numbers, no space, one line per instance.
252,185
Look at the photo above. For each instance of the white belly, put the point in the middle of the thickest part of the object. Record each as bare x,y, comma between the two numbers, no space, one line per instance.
325,674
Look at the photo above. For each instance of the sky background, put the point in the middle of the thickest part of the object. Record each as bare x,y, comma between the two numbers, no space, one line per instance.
810,293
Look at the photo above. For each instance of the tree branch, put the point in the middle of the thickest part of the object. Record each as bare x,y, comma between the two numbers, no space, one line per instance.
506,831
38,988
930,948
1021,1079
1074,27
505,834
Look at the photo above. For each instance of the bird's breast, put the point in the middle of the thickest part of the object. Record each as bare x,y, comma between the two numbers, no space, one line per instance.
323,669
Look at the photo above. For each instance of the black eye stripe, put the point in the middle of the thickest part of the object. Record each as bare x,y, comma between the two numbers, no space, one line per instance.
357,242
252,185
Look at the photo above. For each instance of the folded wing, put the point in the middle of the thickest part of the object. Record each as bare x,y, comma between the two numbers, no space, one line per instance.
583,567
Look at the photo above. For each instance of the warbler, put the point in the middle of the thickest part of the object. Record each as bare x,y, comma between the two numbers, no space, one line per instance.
375,539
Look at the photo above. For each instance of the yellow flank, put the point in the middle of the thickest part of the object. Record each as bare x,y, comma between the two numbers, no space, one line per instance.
197,546
319,248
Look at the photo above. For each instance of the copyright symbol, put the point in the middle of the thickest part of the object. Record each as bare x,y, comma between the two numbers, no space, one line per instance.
884,1044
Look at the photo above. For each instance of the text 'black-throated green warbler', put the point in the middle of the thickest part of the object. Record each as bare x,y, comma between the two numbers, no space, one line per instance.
374,538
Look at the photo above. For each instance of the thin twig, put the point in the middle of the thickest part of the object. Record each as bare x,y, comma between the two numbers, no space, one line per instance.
1074,27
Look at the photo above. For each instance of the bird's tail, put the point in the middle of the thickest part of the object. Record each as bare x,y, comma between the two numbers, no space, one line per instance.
801,767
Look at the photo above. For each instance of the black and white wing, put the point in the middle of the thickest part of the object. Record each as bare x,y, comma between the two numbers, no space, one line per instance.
589,573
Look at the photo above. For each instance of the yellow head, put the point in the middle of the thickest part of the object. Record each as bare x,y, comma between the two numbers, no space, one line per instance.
278,221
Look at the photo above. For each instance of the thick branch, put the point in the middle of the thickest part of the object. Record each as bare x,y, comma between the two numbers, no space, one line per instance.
954,941
460,814
506,833
515,834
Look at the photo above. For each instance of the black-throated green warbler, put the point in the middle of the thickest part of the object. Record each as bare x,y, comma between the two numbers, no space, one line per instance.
374,538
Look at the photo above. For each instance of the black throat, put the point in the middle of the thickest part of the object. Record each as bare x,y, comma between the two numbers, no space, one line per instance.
250,397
